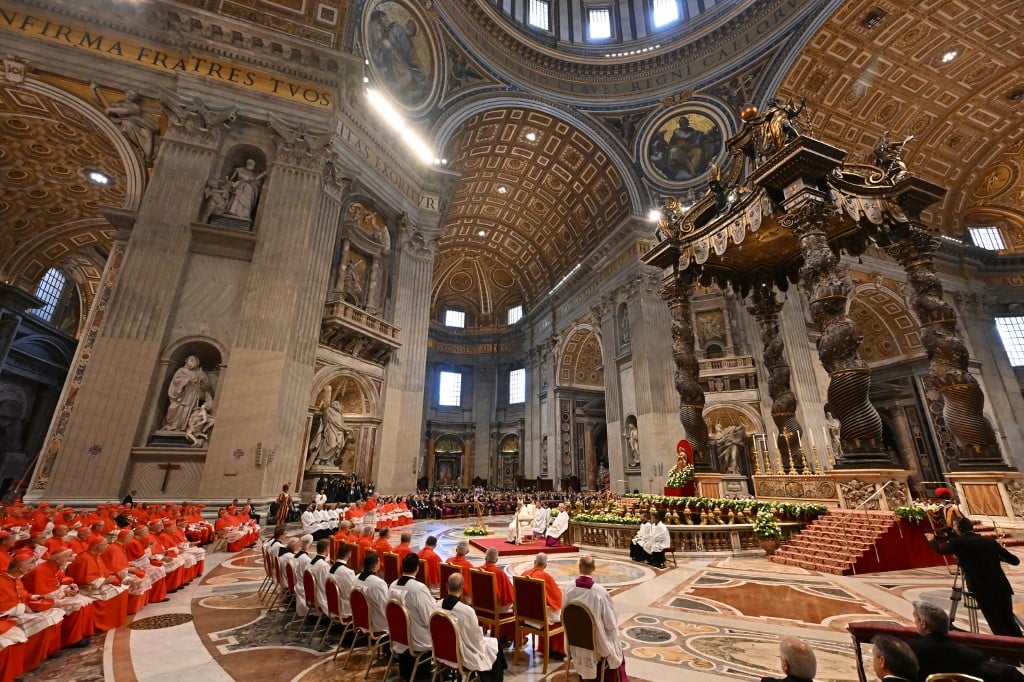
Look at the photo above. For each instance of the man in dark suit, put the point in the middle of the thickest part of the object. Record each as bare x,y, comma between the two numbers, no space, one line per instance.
979,559
798,662
894,661
935,651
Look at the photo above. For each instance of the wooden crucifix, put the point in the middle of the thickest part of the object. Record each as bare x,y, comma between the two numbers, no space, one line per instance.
167,469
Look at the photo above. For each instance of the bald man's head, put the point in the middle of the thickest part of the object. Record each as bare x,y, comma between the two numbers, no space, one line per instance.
797,658
587,565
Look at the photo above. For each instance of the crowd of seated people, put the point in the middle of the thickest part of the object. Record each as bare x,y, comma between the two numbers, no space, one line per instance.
456,503
66,574
417,587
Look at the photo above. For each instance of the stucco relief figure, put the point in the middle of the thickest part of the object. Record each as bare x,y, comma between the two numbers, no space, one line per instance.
200,422
136,125
729,443
393,54
633,445
245,190
188,387
329,442
355,280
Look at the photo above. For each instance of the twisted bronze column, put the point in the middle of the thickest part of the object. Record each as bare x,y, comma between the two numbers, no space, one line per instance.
963,401
828,288
765,307
677,293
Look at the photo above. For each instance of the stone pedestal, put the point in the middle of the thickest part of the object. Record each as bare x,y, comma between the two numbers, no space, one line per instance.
997,494
857,486
734,487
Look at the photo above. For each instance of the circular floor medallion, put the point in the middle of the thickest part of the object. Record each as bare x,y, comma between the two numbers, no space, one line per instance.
168,620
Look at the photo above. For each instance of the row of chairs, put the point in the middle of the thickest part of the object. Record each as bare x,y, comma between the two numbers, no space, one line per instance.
529,614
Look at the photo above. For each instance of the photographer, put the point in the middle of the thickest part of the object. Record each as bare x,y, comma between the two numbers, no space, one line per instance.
979,559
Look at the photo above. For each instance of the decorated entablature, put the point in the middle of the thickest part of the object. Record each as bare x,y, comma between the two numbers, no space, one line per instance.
779,211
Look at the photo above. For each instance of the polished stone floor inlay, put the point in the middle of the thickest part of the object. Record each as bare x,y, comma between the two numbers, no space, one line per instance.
159,622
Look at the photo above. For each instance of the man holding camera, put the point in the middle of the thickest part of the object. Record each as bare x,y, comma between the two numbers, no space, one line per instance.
979,558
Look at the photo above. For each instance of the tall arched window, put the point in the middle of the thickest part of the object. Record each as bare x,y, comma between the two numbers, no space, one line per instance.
50,289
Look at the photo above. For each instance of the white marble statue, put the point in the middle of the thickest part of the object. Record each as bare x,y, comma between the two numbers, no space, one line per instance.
245,190
188,387
633,445
331,437
729,442
199,424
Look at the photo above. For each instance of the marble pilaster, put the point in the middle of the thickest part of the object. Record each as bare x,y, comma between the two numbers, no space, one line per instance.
394,468
483,407
266,388
95,426
657,413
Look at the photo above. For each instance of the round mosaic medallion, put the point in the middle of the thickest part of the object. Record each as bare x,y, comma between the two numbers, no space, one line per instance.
651,635
608,571
168,620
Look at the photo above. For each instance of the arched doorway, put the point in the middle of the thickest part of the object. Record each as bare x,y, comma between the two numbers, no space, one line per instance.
448,453
509,464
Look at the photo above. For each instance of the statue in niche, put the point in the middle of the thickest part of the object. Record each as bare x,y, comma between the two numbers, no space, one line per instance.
136,125
633,445
199,424
245,190
544,455
624,328
355,280
188,387
328,443
729,444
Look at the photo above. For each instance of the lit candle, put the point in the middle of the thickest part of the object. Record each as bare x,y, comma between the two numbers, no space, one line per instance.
828,438
811,436
799,443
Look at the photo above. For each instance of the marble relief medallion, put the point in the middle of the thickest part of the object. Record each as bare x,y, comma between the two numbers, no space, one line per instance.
402,53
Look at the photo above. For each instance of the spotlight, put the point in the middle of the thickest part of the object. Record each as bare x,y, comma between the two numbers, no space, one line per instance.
98,177
654,215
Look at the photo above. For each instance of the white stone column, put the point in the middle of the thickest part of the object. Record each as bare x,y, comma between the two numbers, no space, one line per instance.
395,464
94,429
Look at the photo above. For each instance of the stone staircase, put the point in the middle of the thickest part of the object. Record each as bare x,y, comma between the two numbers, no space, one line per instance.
841,542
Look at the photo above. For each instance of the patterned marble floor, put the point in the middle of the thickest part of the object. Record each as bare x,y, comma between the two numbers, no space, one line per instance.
711,617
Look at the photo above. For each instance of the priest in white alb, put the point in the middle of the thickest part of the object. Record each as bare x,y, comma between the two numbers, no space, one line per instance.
559,524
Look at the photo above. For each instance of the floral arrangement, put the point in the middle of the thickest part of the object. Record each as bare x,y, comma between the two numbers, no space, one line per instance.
787,510
914,514
678,477
475,531
608,517
766,527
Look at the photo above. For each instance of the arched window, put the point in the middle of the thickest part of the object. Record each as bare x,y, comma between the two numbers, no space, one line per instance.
50,290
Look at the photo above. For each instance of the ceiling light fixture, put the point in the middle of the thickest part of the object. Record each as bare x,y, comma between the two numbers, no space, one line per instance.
654,215
531,136
397,122
481,233
949,56
98,177
502,189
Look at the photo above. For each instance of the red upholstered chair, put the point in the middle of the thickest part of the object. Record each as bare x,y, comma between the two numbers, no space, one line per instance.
485,602
421,573
398,629
355,558
334,615
391,570
530,607
445,637
361,623
447,570
580,632
268,577
309,593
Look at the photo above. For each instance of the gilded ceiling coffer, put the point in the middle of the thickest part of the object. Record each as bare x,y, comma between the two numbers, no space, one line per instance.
777,214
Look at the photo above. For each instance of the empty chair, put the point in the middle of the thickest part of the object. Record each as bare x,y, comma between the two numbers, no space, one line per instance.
580,632
398,629
530,608
268,578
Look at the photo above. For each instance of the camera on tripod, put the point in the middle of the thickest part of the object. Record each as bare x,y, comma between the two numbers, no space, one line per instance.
944,533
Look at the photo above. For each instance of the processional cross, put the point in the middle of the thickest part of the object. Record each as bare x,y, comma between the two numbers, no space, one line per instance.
167,469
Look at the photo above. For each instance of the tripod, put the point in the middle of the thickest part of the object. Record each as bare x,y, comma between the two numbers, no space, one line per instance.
970,603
